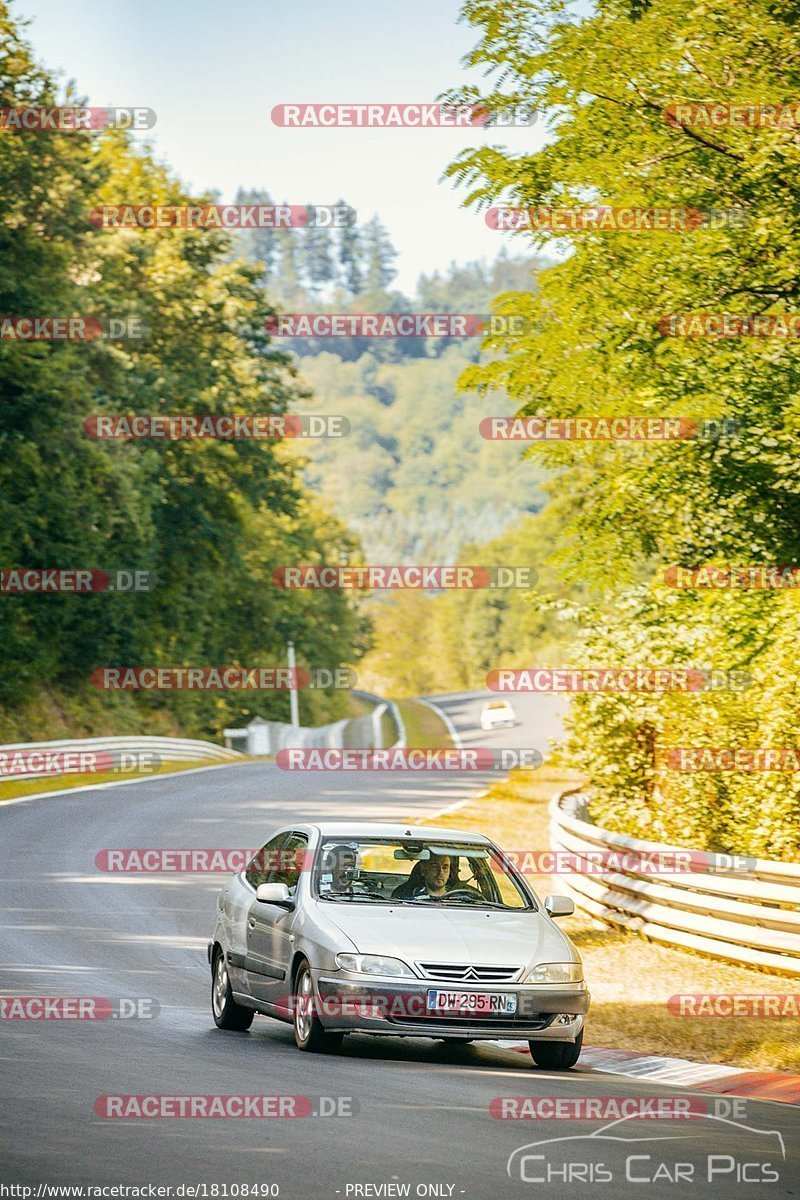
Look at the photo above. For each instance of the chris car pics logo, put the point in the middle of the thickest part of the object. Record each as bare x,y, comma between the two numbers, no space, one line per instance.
716,1150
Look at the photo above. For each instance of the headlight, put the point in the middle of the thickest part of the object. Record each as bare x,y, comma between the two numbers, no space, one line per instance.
373,964
555,973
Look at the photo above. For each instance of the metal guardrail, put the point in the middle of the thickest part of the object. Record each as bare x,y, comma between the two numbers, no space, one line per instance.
369,731
350,732
160,748
386,715
377,729
750,917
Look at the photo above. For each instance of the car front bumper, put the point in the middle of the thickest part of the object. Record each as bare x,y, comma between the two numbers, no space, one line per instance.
398,1007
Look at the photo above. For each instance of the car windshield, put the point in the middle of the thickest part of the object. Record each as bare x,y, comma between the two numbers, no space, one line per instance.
416,871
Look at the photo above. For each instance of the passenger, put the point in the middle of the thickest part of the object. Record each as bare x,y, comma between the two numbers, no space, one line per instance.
344,868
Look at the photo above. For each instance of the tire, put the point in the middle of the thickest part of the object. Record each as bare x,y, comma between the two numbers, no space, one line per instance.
556,1056
226,1012
309,1032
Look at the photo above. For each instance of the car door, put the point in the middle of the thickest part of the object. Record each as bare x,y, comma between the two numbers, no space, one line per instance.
237,899
270,943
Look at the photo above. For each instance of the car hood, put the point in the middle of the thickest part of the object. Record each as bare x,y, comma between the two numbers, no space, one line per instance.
508,939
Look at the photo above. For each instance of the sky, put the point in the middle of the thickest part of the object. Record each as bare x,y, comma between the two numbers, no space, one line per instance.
213,72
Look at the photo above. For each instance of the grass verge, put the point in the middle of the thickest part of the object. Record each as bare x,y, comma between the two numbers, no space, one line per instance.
425,729
11,789
630,977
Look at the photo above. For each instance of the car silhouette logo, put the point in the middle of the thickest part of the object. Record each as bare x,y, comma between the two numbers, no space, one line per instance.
602,1135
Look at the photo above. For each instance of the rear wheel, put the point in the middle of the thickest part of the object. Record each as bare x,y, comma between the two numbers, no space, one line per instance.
309,1032
554,1056
226,1012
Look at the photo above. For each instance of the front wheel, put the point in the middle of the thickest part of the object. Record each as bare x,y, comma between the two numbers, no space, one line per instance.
226,1012
309,1032
554,1056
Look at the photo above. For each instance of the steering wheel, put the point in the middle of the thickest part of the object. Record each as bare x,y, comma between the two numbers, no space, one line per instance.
465,893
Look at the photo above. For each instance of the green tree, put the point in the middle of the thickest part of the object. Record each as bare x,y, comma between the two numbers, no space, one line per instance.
606,80
210,520
259,245
349,256
317,256
379,256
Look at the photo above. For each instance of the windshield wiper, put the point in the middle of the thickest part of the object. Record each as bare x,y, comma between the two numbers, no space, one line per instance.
353,896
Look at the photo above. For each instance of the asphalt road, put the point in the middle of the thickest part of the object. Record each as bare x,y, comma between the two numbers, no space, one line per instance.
540,719
423,1117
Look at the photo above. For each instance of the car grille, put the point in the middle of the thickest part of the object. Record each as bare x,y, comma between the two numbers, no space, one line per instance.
467,973
533,1021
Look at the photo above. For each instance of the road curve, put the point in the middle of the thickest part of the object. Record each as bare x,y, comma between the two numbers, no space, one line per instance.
423,1116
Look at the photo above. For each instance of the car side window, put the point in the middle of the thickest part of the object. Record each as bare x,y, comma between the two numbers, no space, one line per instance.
263,866
292,860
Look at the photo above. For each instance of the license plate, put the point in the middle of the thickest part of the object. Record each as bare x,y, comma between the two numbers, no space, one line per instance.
465,1004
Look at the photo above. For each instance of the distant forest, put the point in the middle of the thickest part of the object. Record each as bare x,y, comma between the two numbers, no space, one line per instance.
413,479
352,269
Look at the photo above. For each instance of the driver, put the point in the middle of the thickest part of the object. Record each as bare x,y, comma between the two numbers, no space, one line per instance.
429,877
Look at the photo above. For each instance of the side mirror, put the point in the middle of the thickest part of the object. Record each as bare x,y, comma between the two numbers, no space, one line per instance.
556,906
274,893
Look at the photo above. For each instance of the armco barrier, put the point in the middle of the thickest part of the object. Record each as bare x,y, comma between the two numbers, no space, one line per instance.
379,728
382,726
748,917
168,749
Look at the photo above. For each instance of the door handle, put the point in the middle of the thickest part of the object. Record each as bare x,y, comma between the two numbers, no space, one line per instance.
251,923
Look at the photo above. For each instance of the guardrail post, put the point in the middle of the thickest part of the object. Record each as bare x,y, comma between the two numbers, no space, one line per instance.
377,725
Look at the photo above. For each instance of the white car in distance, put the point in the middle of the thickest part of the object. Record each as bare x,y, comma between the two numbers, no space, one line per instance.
497,713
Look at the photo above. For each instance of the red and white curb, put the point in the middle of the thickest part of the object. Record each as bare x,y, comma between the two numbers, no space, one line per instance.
681,1072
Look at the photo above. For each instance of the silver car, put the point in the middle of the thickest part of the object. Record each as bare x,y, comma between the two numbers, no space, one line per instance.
410,931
